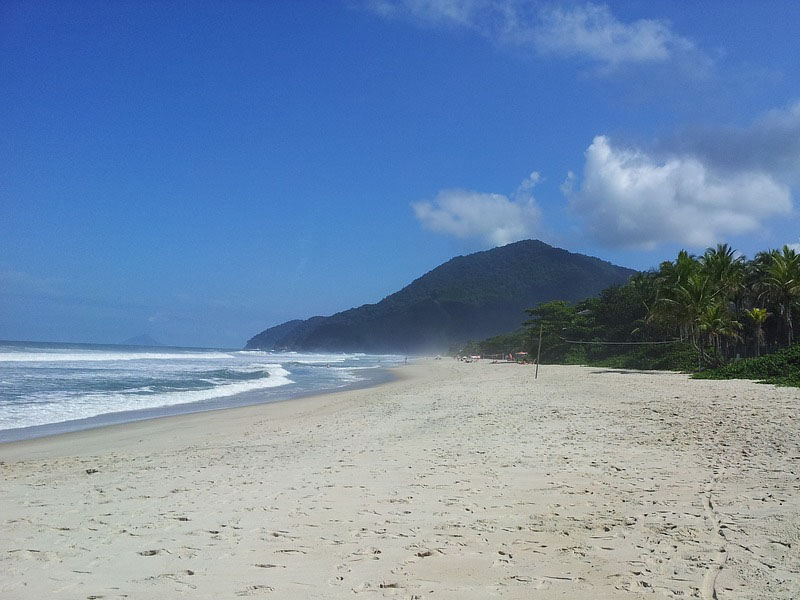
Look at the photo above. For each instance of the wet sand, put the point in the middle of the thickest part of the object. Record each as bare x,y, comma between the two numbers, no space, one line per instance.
456,481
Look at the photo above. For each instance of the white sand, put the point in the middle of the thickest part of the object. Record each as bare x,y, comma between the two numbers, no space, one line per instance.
458,481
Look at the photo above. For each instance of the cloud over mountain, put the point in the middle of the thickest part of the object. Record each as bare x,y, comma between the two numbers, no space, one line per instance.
495,218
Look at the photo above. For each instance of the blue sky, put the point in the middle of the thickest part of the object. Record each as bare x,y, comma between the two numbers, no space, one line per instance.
199,171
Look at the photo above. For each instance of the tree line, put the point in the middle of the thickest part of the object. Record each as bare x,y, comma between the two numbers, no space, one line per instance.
689,313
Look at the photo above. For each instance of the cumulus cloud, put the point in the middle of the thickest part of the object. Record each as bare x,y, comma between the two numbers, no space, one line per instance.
495,218
628,197
589,32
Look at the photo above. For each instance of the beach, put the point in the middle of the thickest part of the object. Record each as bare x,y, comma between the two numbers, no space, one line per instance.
454,481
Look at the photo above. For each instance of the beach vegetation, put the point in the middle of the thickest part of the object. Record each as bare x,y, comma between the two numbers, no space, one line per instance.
715,313
780,368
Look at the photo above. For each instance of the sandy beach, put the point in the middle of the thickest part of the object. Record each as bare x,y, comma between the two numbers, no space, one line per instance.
456,481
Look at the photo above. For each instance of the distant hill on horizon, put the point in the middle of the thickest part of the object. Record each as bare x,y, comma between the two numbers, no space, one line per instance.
468,297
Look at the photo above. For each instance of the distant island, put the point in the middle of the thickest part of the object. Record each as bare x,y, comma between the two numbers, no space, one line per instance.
468,297
140,340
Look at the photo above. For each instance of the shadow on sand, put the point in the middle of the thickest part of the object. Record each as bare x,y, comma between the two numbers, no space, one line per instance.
628,372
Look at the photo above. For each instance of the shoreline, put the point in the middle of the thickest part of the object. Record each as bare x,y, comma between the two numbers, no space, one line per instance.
453,481
120,418
116,436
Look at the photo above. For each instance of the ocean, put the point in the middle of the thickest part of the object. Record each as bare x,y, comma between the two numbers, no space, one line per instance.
48,388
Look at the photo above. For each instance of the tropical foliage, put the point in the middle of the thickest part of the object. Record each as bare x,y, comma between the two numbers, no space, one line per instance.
720,305
781,368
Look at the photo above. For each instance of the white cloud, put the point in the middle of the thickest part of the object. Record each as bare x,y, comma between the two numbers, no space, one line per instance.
463,13
592,32
495,218
589,32
628,197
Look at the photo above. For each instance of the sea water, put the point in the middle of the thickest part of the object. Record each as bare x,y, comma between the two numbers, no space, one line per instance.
50,388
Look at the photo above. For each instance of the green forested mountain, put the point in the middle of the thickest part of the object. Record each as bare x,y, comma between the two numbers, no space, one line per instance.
468,297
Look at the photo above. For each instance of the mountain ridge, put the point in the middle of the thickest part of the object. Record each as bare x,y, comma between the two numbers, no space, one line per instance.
467,297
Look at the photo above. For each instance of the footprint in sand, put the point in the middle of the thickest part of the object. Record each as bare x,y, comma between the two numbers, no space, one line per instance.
374,587
253,590
504,559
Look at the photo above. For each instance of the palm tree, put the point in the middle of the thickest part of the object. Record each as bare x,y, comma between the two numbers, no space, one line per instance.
685,304
715,323
671,301
644,286
780,284
758,315
726,270
728,273
671,274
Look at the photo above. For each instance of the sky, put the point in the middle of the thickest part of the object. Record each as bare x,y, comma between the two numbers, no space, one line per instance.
200,171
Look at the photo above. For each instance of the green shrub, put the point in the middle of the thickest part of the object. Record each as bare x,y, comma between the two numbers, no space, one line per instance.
575,355
662,357
781,368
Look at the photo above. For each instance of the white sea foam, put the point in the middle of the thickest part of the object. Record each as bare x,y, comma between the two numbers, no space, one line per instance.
43,412
46,384
36,357
255,368
317,361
